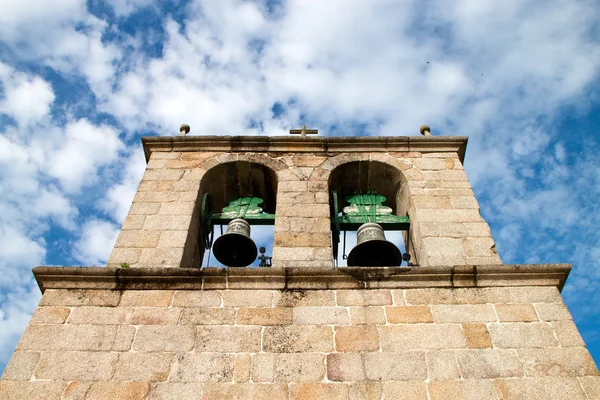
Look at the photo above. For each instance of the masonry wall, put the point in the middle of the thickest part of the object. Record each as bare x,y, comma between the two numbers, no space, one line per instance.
162,227
486,343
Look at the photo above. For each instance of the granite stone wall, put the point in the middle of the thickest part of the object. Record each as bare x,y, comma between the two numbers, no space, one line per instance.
429,344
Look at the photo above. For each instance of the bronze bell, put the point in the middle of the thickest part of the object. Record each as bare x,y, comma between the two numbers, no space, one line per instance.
235,248
372,250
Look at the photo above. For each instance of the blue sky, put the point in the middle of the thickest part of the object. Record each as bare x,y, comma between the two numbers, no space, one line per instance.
81,82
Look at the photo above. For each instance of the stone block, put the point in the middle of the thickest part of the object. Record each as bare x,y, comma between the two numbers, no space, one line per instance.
76,390
464,202
179,208
482,295
141,208
36,390
388,366
406,390
164,338
515,312
591,386
430,164
356,338
298,367
148,186
451,215
162,175
189,184
293,253
172,239
166,155
398,297
306,211
264,316
443,313
307,160
141,239
297,339
133,222
156,316
442,247
365,390
467,389
50,315
567,361
408,314
118,390
421,336
567,334
298,224
320,316
203,367
124,255
21,366
302,239
366,315
292,186
241,369
298,298
68,337
76,366
244,391
167,222
79,297
479,247
363,297
477,336
345,367
431,202
101,315
487,363
330,391
522,334
263,367
553,312
123,338
156,197
162,257
442,365
207,316
555,388
317,186
296,198
197,298
228,338
247,298
148,298
143,367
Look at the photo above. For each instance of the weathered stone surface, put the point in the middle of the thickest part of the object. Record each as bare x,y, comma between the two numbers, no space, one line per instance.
79,297
118,390
302,239
366,315
408,314
363,297
345,367
36,390
467,389
228,338
143,367
167,222
591,386
463,313
197,298
365,390
356,338
142,208
207,316
156,316
297,298
301,391
483,295
517,334
50,315
247,298
241,369
179,208
421,336
387,366
124,255
76,365
164,338
161,257
567,334
263,367
203,367
406,390
320,316
21,366
162,175
134,221
244,391
101,315
123,338
76,390
555,388
297,339
477,336
156,197
569,361
172,239
442,365
264,316
515,312
68,337
148,298
553,312
175,391
298,367
487,363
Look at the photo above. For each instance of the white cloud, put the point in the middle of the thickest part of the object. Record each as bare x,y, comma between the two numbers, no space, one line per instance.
95,242
26,98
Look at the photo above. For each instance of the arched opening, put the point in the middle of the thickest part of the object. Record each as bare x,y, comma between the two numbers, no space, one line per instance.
362,178
226,183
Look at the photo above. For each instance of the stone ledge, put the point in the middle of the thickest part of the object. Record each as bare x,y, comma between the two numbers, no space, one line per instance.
299,278
319,144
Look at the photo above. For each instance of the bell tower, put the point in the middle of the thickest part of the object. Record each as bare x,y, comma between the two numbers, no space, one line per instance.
435,315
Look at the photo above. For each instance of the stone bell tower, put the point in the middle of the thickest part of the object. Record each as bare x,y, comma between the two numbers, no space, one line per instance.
446,320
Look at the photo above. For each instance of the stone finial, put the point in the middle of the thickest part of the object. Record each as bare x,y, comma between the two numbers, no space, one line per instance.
184,129
425,130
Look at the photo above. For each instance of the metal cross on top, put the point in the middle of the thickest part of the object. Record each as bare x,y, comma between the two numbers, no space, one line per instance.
303,132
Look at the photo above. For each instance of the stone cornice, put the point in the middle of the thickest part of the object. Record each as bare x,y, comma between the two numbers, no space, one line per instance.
301,278
319,144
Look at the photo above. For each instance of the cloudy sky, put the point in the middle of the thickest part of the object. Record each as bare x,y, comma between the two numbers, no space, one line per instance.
81,82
